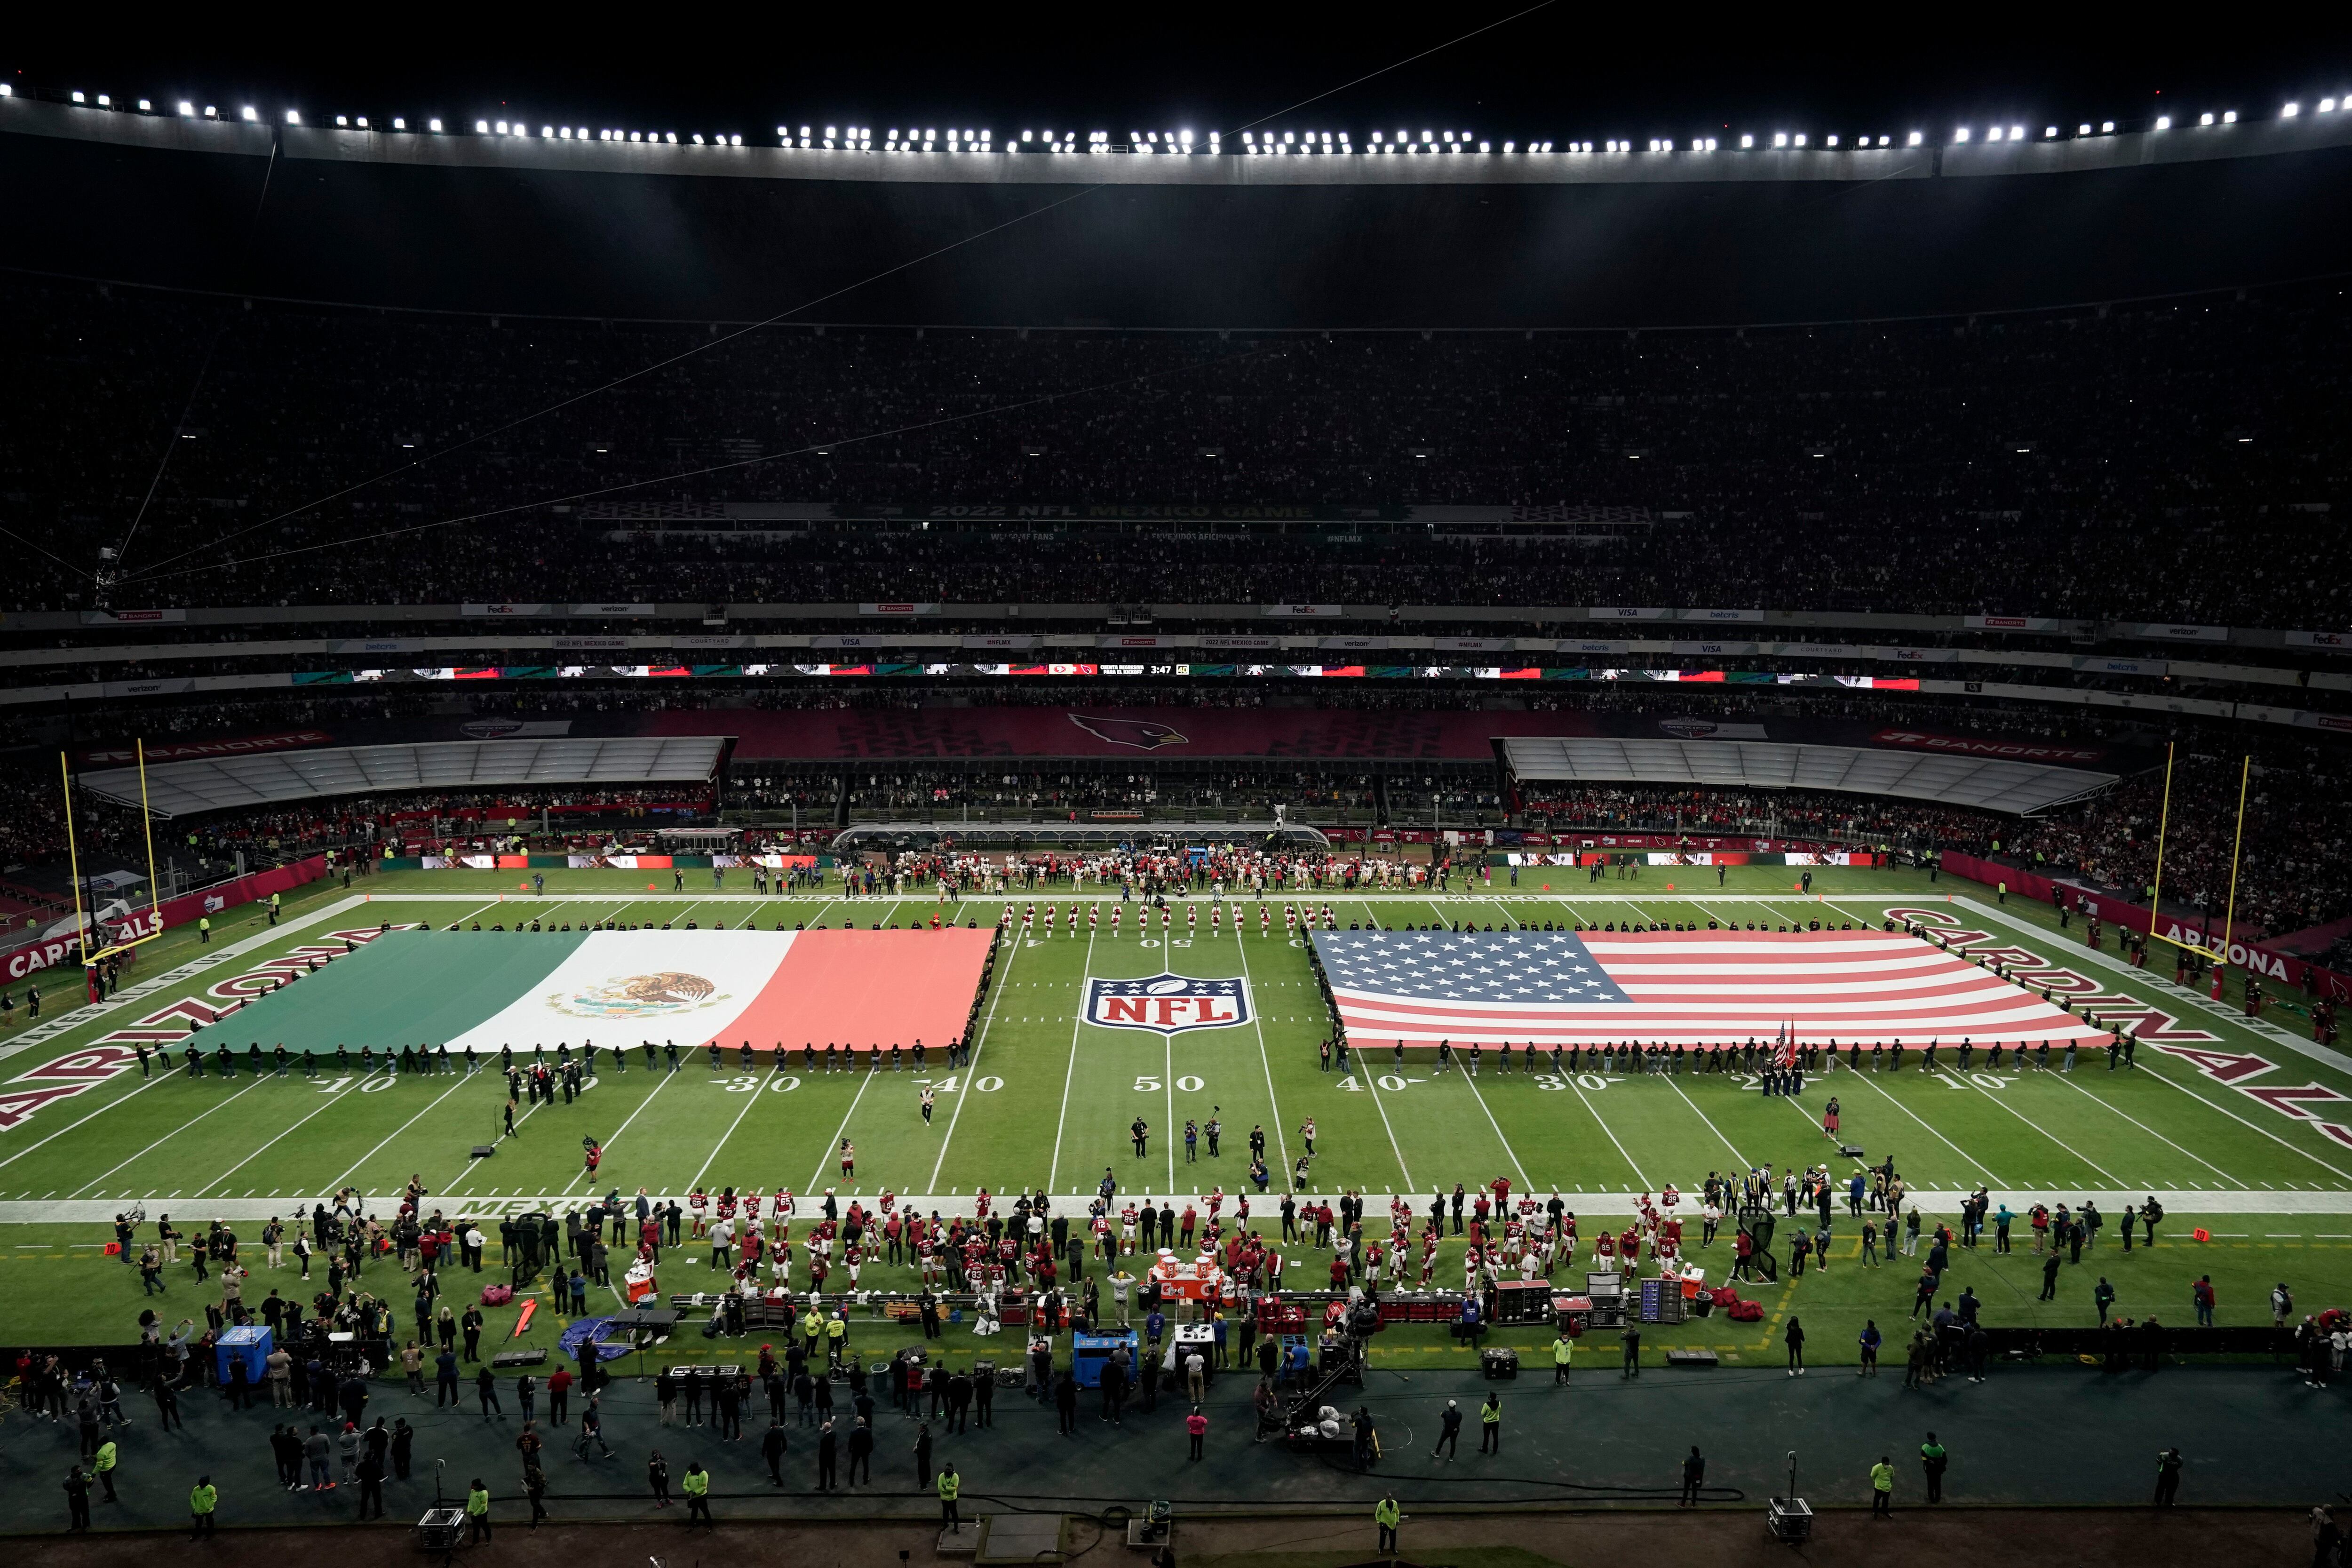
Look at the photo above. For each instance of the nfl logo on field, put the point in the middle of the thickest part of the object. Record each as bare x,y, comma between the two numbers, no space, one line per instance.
1167,1003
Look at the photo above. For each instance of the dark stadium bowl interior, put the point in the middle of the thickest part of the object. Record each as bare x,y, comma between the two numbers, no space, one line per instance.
650,701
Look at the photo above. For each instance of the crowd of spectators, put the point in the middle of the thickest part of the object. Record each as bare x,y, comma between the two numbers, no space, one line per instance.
2145,462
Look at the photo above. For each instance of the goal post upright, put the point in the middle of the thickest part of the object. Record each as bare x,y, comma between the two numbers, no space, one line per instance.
2237,845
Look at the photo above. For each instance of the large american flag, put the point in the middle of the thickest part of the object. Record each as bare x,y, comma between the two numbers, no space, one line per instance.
1593,988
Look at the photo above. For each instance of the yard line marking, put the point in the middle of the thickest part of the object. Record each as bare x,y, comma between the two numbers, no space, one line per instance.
71,1125
978,1046
324,1102
1711,1127
1983,1171
336,1185
838,1133
167,1137
1579,1091
2102,961
633,1115
1054,1173
1980,1089
1371,1081
2068,1079
2168,1079
1265,1061
1497,1126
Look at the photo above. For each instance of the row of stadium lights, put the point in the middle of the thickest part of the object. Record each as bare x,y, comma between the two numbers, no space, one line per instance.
1183,144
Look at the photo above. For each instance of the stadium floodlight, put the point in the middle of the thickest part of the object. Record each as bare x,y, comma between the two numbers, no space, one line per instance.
2287,111
2106,128
2049,133
6,91
2204,120
77,97
145,107
1780,139
187,107
1745,142
2017,132
104,102
1829,140
397,123
1798,140
250,112
1916,139
697,138
482,128
2164,122
732,141
2326,106
1961,134
1993,133
434,126
1509,147
2229,117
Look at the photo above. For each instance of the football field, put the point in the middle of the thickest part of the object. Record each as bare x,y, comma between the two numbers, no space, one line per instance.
2217,1114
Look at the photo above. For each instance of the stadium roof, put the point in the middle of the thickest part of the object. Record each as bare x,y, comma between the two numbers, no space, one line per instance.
180,789
1978,782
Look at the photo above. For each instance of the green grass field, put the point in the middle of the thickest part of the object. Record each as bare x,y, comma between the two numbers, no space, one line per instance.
1047,1102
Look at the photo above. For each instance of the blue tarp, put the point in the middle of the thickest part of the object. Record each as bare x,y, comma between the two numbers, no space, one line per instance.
586,1329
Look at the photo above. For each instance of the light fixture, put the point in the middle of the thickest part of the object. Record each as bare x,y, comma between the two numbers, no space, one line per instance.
2288,112
2106,128
1780,139
343,123
144,106
104,102
2326,106
2048,132
2164,122
2229,117
249,112
397,123
362,122
434,126
1798,140
2205,119
77,96
1917,138
188,107
1746,141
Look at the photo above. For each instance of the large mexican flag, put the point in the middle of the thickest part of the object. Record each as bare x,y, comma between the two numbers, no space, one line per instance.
865,990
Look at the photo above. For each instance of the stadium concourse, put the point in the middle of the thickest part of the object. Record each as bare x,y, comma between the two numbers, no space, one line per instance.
1247,809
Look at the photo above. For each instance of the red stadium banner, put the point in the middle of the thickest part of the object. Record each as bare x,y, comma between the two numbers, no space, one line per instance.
2271,963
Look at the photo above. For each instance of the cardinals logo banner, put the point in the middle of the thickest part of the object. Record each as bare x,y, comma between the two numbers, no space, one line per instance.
1167,1003
1143,734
